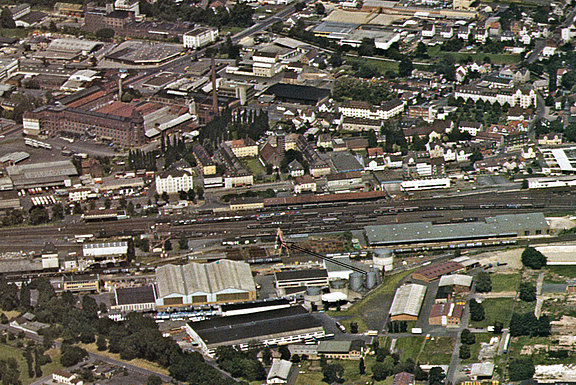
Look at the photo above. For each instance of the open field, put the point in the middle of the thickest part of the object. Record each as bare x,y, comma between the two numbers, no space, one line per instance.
426,351
564,271
475,349
505,282
496,309
8,351
310,372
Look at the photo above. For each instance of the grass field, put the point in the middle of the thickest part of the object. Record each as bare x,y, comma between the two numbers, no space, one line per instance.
505,282
255,167
310,373
8,351
426,351
381,65
495,309
564,271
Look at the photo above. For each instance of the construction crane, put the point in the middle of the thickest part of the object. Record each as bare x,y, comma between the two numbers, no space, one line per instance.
281,244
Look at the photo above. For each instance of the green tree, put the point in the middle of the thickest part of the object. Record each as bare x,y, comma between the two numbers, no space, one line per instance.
361,366
183,242
319,8
284,353
107,203
524,184
527,292
521,368
476,310
436,376
57,211
167,245
72,355
267,356
483,282
6,18
464,352
101,343
122,203
468,338
533,259
333,373
38,215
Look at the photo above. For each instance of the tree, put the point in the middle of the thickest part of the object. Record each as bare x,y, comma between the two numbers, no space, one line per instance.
353,327
107,203
333,373
71,355
6,18
467,337
57,211
319,8
405,68
299,6
165,197
101,343
77,209
521,368
122,203
267,356
284,353
464,352
483,282
38,215
476,310
533,259
130,209
154,380
361,366
167,245
183,242
105,33
436,376
527,292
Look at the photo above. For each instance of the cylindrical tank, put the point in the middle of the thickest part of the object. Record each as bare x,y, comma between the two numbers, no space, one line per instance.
356,281
313,290
338,284
372,279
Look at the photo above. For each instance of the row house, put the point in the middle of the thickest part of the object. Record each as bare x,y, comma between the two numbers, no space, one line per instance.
386,110
513,97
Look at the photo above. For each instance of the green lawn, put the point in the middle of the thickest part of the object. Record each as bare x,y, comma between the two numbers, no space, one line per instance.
437,351
495,309
310,372
8,351
409,347
564,271
382,66
505,282
254,166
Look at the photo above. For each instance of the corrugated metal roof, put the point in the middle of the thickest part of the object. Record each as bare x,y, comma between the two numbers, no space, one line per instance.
408,300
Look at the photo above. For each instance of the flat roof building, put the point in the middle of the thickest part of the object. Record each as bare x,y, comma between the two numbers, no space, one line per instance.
512,225
222,281
42,174
296,278
407,302
129,299
287,325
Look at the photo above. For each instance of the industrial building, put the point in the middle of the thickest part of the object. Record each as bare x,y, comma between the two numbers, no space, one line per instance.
222,281
129,299
459,282
559,255
500,226
433,272
282,326
85,282
298,278
446,314
105,251
45,174
407,302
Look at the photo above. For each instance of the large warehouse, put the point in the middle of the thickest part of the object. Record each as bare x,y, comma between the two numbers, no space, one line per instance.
42,174
288,325
223,281
513,225
407,302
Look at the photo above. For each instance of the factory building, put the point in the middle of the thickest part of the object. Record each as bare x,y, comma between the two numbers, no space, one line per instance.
407,302
446,314
433,272
282,326
298,278
129,299
47,174
500,226
105,251
223,281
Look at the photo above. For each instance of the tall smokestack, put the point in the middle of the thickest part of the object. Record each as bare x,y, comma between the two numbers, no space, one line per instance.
214,90
120,88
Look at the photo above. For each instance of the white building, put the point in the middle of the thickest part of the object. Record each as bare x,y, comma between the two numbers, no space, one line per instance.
387,110
174,181
279,372
513,97
199,37
425,184
62,377
105,250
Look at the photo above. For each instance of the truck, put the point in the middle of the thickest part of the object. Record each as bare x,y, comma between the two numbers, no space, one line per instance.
416,331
